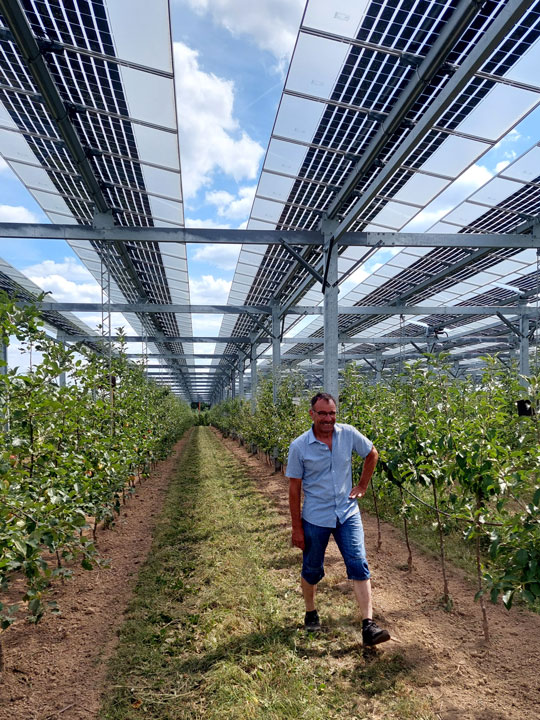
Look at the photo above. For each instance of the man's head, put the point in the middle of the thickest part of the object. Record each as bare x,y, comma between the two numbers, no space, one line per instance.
323,413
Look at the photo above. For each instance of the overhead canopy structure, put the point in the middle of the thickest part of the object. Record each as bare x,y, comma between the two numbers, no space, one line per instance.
387,111
88,123
385,106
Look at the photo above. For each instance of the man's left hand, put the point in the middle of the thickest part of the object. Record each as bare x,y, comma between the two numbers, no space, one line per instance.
357,492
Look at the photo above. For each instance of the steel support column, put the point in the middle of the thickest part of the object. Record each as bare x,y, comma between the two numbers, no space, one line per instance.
241,367
276,351
241,381
4,358
331,377
62,377
378,366
253,369
524,369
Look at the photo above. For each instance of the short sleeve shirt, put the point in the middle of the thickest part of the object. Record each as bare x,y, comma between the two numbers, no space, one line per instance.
327,474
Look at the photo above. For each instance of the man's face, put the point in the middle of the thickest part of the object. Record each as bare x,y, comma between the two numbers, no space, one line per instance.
323,414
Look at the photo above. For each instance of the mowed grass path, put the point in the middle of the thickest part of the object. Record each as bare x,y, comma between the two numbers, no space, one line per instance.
215,626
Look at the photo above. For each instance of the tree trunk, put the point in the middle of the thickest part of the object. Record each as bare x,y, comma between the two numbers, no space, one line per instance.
485,625
446,593
376,506
406,530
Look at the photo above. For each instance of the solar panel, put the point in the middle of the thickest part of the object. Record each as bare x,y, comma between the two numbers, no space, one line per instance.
352,65
104,102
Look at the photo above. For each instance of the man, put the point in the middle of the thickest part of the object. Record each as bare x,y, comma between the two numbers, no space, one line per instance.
320,464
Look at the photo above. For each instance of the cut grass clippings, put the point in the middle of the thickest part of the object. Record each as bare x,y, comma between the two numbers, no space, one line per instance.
215,627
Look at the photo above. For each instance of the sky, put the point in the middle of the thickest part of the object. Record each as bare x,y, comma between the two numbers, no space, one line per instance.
231,59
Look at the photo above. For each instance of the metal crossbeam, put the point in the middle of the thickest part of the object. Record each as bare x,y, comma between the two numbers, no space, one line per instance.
267,237
241,340
296,340
301,310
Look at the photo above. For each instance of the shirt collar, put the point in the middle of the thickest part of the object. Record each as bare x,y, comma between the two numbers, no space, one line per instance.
311,434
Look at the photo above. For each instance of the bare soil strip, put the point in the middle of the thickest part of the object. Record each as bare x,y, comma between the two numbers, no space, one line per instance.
57,669
465,678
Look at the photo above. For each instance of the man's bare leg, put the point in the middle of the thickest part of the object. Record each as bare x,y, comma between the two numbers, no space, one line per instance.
362,592
372,634
309,592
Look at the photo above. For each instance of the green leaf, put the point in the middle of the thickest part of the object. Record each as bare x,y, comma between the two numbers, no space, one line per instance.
522,558
508,599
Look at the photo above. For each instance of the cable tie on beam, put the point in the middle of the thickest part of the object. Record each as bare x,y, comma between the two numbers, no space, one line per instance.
376,116
449,68
408,124
49,47
72,110
91,152
409,59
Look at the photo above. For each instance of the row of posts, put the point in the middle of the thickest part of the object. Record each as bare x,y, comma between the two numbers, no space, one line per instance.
331,341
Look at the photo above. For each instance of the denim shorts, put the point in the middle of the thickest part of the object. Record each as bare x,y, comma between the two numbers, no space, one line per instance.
349,537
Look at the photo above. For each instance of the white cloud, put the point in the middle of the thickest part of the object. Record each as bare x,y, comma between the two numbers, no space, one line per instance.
473,178
500,166
64,290
425,219
16,214
271,24
208,224
210,137
3,165
206,325
222,256
203,349
69,268
94,320
513,136
230,206
208,290
357,277
68,281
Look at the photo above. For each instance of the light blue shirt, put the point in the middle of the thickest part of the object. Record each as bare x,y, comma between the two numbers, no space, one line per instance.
327,474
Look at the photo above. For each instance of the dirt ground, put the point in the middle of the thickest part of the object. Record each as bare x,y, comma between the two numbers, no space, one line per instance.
55,671
467,679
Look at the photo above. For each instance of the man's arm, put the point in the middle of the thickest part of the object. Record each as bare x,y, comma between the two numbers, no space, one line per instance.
295,490
370,461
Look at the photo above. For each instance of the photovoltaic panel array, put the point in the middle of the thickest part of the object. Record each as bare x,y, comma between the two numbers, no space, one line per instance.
356,67
94,129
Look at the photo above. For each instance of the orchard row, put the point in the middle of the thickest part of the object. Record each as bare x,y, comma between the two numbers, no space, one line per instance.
69,451
455,457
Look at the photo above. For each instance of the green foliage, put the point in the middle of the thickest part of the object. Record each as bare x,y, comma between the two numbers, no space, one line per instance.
274,424
70,451
438,436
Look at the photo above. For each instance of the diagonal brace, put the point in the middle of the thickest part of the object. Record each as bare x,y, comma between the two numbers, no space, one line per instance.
261,325
296,255
512,327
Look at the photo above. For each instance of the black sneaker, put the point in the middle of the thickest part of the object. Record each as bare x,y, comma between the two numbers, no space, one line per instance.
372,634
312,622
